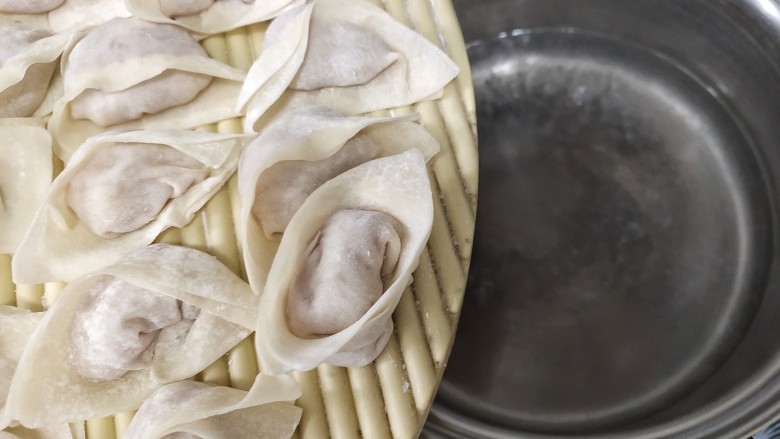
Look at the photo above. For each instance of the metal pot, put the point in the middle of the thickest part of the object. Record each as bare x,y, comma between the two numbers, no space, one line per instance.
625,278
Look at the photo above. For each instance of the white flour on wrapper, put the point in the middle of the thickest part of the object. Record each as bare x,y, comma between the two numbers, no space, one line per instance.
138,77
189,409
61,245
49,386
396,186
345,54
25,177
296,154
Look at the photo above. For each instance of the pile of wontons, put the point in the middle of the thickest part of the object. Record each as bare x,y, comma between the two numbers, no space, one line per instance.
335,207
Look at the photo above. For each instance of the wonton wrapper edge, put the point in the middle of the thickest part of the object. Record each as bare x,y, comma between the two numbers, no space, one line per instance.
44,51
26,151
206,408
222,16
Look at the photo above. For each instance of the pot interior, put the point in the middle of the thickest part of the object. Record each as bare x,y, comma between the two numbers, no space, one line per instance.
623,280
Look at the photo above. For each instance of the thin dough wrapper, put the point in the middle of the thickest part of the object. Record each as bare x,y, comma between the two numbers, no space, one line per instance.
209,17
21,99
345,54
111,205
77,15
148,75
28,6
174,8
297,153
27,61
282,188
25,177
123,40
16,327
397,186
169,89
69,16
48,387
83,225
199,410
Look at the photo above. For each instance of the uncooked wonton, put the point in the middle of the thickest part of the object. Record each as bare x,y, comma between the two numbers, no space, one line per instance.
128,74
345,54
342,265
295,155
112,337
118,193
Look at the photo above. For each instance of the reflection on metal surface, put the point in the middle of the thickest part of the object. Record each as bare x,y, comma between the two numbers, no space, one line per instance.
769,7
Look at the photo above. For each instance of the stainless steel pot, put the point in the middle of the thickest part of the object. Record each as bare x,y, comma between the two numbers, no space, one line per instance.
625,278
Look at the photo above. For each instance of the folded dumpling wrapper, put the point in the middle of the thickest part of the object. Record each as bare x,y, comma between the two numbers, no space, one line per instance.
397,186
22,12
301,150
207,411
122,55
25,177
209,17
345,54
62,15
28,6
50,386
27,63
96,208
16,327
76,15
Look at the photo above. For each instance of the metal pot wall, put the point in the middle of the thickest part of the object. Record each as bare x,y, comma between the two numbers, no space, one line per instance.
625,278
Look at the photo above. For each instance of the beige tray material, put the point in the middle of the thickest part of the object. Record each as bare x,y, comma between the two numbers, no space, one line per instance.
389,398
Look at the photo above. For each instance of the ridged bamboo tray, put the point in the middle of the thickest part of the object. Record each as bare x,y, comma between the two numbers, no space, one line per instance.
389,398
